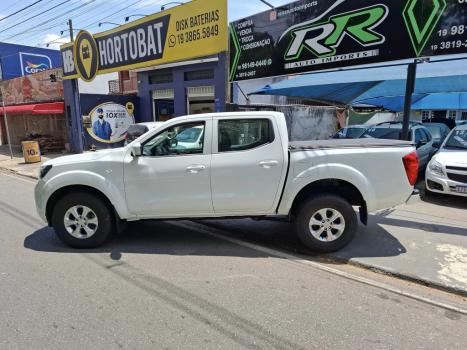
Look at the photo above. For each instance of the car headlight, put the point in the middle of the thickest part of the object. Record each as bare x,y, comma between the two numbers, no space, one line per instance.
436,167
44,170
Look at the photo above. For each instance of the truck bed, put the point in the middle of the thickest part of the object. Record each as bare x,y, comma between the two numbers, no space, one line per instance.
347,143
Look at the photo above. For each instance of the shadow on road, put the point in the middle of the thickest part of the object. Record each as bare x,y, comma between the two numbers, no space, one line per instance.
164,238
155,237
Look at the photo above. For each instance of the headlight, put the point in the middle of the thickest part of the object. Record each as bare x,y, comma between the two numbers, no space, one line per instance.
436,167
44,170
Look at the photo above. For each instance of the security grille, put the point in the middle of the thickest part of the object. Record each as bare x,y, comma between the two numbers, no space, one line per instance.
163,94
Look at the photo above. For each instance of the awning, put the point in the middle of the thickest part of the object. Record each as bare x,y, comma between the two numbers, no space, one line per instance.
371,85
35,109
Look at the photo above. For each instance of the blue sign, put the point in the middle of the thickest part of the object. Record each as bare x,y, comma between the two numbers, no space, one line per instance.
34,63
20,60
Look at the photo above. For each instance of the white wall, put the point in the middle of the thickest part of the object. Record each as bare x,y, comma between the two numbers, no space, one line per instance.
100,85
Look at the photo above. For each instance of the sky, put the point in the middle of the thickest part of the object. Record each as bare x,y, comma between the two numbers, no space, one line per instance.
41,24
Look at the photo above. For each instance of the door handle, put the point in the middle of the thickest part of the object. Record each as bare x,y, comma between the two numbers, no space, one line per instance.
195,169
267,164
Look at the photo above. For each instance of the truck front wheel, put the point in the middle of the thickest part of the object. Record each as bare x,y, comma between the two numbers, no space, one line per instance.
82,220
326,223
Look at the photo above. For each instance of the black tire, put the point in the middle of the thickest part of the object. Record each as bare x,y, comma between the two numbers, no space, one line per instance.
103,213
311,206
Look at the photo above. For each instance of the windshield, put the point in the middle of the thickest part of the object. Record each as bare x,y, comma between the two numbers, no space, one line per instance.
434,130
382,133
457,140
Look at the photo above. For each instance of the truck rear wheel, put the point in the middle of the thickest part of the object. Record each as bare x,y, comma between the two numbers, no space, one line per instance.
326,223
82,220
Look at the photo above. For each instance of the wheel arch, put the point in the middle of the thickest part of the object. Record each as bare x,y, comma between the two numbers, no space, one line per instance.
338,187
65,190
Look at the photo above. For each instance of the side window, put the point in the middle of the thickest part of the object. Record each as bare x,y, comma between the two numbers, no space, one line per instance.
181,139
419,136
244,134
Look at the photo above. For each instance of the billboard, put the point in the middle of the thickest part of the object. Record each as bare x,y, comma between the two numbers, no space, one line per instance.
194,29
311,35
19,60
34,88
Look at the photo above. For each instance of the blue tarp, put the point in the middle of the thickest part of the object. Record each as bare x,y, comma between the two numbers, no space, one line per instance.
382,87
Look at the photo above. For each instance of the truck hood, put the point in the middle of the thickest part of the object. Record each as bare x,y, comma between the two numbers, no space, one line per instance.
451,157
86,157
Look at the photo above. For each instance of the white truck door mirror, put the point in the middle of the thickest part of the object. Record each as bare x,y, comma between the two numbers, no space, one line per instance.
136,149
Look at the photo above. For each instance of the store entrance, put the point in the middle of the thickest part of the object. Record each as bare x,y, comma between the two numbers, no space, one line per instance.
163,110
201,100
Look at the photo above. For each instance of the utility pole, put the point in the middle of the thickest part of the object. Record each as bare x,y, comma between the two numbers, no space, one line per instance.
409,90
70,29
6,122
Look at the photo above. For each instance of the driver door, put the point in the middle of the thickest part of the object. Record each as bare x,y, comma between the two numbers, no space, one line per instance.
172,176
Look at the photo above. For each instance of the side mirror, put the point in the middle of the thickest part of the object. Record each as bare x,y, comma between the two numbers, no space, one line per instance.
136,149
437,144
173,143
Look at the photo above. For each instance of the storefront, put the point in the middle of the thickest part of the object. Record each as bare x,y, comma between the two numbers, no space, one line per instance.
179,55
191,87
35,111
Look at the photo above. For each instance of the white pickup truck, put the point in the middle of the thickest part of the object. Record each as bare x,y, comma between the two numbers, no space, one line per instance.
242,166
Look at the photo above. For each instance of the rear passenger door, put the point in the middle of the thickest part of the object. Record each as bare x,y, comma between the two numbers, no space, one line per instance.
424,146
247,165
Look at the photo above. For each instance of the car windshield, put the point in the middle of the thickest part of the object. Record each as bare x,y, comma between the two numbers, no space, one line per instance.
189,135
434,130
457,140
382,133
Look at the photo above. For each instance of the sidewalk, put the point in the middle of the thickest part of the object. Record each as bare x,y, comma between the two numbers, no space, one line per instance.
17,164
425,241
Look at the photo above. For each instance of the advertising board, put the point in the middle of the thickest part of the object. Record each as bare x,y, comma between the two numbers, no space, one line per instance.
312,35
194,29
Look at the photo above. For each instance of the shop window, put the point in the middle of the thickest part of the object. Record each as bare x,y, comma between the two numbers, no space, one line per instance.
242,135
464,115
426,115
204,74
161,77
452,114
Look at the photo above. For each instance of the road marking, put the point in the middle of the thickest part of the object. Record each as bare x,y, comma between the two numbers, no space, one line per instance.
217,233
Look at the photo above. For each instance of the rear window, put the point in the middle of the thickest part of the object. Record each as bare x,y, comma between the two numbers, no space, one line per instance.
434,130
382,133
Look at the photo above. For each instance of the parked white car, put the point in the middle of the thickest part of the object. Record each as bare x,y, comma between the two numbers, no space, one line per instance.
242,165
447,171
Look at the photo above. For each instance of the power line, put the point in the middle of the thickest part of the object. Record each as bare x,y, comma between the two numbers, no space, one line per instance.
48,21
36,15
20,10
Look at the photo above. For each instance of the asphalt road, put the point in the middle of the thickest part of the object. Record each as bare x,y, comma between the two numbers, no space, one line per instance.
160,286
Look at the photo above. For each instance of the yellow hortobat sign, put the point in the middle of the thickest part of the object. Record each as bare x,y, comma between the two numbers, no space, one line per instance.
194,29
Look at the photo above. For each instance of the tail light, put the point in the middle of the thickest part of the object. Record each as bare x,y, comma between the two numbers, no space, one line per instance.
411,167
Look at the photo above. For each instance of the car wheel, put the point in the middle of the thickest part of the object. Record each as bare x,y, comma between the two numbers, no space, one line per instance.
326,223
82,220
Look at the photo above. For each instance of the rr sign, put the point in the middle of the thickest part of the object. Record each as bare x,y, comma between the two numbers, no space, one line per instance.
315,35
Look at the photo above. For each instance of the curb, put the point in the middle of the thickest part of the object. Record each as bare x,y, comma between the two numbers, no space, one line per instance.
16,172
377,269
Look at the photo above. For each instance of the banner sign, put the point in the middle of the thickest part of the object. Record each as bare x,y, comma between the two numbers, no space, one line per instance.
109,122
308,35
194,29
44,86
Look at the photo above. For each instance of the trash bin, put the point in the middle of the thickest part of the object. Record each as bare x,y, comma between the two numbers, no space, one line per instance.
31,151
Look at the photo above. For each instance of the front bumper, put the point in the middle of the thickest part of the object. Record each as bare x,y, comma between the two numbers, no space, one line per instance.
41,202
441,184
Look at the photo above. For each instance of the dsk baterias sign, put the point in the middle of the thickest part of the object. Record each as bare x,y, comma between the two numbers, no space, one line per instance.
315,35
194,29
